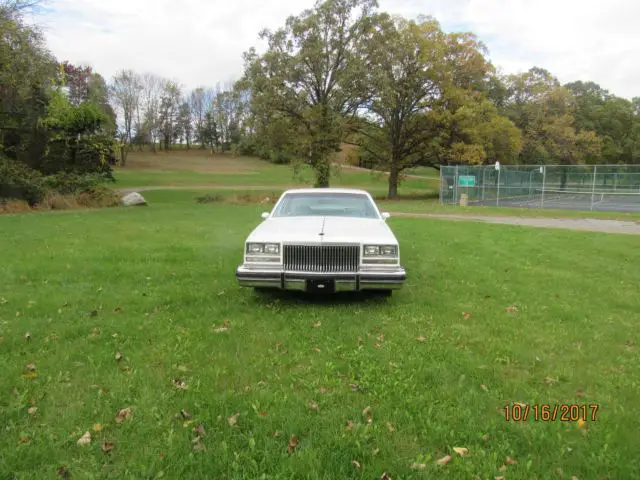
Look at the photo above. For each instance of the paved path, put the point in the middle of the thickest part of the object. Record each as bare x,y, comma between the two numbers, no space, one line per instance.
583,224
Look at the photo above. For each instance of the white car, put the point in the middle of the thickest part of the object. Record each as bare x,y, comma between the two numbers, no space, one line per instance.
323,240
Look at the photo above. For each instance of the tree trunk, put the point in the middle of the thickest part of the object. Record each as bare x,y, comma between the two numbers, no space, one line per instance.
123,155
323,173
393,180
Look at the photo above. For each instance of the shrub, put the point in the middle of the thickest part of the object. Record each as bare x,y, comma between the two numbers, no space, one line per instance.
209,198
19,182
69,183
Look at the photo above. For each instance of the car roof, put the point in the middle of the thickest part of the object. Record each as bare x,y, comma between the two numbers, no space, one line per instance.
327,190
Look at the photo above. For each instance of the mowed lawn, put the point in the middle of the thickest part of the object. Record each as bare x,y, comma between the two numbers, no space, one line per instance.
198,168
490,315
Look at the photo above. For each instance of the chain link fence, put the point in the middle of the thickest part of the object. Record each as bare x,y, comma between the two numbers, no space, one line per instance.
577,187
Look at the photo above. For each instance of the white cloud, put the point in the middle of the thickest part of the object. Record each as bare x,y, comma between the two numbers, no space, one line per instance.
202,41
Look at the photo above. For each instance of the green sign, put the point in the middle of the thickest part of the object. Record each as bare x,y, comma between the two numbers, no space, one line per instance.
466,181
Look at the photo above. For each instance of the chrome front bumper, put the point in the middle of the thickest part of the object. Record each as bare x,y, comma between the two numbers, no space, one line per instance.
369,279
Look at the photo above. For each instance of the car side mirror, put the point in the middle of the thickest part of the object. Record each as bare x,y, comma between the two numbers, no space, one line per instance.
385,215
265,215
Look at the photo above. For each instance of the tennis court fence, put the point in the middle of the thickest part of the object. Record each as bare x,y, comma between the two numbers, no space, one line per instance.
577,187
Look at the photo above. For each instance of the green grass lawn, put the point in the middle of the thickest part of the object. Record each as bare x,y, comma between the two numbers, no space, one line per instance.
490,315
200,170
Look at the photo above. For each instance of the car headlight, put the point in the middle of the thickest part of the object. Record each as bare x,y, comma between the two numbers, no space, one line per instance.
380,250
266,248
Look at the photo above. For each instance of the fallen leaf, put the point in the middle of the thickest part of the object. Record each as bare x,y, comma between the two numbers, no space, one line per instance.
32,410
512,309
573,477
63,472
27,336
316,349
367,413
313,406
418,466
377,345
484,387
118,356
444,460
199,430
185,414
123,415
93,313
390,427
520,404
233,419
30,375
30,367
381,337
550,380
107,446
466,315
117,310
421,339
385,476
179,384
97,427
263,414
198,446
581,423
3,301
24,439
84,439
499,478
182,368
355,387
463,452
502,469
376,452
356,464
293,443
323,390
580,393
360,341
220,329
349,425
317,324
276,434
510,461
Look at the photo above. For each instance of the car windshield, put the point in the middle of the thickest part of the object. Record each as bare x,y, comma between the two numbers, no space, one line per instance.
326,204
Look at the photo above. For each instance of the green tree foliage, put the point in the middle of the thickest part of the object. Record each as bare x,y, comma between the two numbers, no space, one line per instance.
427,103
544,111
314,73
54,118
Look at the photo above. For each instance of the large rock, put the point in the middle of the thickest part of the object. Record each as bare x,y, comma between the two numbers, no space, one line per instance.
133,199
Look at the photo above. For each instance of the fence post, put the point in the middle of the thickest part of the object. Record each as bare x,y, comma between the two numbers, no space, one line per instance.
455,186
441,192
544,181
483,172
593,185
498,190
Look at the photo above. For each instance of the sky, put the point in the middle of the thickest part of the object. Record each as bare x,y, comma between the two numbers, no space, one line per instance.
201,42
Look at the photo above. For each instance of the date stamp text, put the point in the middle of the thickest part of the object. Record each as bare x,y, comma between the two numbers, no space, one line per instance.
562,412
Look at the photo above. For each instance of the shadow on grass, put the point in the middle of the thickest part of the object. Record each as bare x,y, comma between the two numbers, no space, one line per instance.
328,299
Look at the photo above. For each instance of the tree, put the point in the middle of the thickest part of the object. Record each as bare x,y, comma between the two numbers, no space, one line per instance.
428,102
314,73
200,102
148,112
544,112
169,114
125,92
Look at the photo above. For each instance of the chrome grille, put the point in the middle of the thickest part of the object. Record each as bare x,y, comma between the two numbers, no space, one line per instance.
321,258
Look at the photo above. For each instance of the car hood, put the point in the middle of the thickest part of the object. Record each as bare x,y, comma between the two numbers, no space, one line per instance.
335,230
